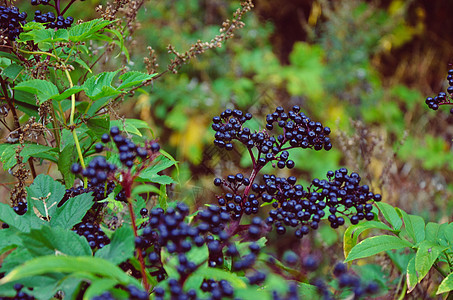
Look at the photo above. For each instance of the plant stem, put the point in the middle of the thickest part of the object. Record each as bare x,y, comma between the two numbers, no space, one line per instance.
55,128
234,227
403,292
73,128
66,8
255,171
39,53
10,104
16,121
32,167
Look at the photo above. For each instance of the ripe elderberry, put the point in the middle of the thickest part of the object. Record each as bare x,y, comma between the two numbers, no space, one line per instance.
93,233
11,21
442,98
303,209
20,208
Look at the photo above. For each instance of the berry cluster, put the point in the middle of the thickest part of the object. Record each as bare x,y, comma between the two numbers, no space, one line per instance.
20,208
347,281
11,21
100,191
168,230
218,289
341,194
299,130
93,233
176,291
228,126
52,21
20,294
128,150
98,170
442,98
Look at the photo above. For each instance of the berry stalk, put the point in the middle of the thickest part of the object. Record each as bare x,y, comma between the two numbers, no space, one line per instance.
139,251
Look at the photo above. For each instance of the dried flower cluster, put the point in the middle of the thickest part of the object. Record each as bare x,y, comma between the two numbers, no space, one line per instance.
226,32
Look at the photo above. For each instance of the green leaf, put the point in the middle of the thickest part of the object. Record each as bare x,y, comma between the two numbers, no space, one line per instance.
415,226
83,64
96,106
411,275
218,274
132,125
100,85
447,236
10,56
84,30
98,287
254,293
446,285
68,264
106,91
14,259
12,71
390,215
144,188
61,35
163,198
67,93
160,179
150,174
307,291
120,41
121,247
22,223
7,155
43,89
72,211
45,193
37,35
352,233
375,245
432,231
8,240
65,161
99,125
70,286
198,255
426,255
55,241
32,26
33,150
46,286
133,78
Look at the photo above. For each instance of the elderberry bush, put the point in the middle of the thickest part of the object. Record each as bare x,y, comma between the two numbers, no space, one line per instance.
442,98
